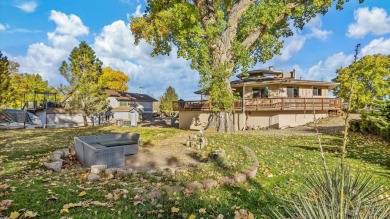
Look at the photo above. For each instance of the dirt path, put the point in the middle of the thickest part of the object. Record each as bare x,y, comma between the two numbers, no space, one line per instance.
170,153
167,153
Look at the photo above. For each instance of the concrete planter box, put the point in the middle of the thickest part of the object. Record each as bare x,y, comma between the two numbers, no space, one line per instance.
109,149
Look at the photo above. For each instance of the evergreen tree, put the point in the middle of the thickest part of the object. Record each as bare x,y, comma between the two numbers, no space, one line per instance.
83,73
166,105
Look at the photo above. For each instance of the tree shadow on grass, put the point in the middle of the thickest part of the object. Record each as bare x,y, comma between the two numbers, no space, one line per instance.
368,148
251,196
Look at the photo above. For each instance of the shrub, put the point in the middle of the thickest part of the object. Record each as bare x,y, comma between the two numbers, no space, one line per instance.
363,198
372,122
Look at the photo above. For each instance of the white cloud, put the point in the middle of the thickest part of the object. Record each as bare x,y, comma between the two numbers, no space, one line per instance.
138,12
27,7
2,27
45,59
315,26
326,70
115,47
68,25
376,22
380,45
295,43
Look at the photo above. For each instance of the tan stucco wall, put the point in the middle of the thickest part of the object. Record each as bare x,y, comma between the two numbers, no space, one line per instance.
197,120
292,119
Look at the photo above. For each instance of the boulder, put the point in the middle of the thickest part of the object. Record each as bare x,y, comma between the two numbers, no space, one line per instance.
56,156
154,194
56,165
252,172
98,169
93,177
194,186
240,177
173,189
209,183
227,181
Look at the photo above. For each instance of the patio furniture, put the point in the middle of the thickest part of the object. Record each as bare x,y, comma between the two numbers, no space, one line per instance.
108,149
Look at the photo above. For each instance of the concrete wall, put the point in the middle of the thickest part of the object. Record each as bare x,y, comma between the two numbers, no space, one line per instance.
66,119
197,120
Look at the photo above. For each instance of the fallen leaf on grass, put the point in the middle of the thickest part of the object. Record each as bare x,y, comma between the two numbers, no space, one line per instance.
192,216
81,194
138,200
14,215
5,204
30,214
175,210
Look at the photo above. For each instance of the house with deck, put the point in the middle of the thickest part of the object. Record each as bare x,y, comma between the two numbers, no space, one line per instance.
267,98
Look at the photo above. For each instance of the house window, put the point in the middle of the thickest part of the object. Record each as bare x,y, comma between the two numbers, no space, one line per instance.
264,92
256,92
123,103
260,92
317,91
293,91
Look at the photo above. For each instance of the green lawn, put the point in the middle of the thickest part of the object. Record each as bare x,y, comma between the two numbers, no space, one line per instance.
284,161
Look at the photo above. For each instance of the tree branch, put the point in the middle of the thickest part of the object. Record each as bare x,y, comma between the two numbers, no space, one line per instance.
260,30
207,11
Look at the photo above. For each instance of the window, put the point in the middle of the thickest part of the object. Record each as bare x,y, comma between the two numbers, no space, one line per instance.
264,92
317,91
123,103
260,92
293,91
256,92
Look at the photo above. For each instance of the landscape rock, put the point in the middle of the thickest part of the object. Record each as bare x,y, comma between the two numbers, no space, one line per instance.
252,172
56,165
209,183
98,169
56,156
93,177
227,181
154,194
240,177
173,189
194,186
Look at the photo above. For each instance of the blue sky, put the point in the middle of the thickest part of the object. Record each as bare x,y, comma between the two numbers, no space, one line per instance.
39,34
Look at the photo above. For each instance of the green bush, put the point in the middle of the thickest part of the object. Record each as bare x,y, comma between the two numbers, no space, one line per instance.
372,122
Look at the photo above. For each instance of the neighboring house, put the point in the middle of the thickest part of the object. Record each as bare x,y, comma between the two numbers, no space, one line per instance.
142,102
267,98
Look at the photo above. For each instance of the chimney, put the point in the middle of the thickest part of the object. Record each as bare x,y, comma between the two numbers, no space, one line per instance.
271,68
293,73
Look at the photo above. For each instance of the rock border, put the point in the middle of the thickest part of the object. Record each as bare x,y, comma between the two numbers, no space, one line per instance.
97,172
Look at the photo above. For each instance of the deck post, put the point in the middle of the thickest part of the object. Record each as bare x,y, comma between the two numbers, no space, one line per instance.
304,103
282,103
322,102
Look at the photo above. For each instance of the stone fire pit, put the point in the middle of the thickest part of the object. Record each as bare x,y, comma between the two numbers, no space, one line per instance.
109,149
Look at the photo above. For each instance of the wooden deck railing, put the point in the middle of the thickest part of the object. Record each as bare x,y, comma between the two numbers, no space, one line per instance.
266,104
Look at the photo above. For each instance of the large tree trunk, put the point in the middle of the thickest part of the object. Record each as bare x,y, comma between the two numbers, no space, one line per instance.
221,121
85,120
